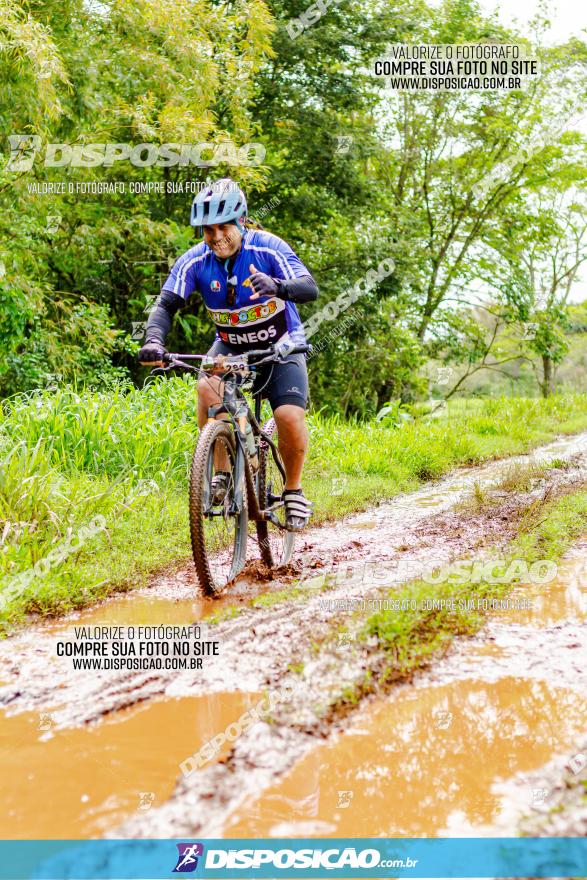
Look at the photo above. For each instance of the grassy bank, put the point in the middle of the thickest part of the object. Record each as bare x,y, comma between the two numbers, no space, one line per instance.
93,486
408,636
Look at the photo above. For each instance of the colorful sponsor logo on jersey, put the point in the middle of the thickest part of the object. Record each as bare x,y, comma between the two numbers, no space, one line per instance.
244,316
263,335
215,285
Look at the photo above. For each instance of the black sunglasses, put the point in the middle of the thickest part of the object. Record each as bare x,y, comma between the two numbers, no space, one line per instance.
231,291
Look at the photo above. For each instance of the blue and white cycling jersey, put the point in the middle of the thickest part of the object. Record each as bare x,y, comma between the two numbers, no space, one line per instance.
248,324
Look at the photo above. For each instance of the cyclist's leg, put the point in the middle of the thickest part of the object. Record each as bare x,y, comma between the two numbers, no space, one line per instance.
292,434
286,388
287,391
210,388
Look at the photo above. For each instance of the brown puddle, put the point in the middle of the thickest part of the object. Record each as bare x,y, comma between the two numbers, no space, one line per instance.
139,610
431,500
78,783
178,601
564,598
424,764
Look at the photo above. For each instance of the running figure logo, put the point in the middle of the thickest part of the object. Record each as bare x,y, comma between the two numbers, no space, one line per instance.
187,860
23,148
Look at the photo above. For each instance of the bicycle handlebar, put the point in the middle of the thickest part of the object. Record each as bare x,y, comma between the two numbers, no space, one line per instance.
175,359
297,349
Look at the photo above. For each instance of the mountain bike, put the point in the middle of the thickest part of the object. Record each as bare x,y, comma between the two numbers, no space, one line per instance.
239,446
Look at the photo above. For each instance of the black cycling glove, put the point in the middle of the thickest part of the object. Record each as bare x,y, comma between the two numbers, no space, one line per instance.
296,290
152,352
262,284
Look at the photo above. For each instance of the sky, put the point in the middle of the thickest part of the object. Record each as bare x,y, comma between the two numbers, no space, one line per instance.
568,17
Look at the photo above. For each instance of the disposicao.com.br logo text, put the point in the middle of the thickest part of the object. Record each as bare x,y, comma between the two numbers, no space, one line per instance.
329,859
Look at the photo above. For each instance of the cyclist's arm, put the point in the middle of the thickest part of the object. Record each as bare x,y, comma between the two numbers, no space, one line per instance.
177,289
297,290
294,280
161,317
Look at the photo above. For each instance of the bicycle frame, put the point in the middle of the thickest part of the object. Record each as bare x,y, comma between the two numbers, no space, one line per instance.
235,405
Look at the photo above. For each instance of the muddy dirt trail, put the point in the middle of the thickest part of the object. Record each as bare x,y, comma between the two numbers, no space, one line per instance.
123,735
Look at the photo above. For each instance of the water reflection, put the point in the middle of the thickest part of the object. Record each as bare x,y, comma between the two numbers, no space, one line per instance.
422,764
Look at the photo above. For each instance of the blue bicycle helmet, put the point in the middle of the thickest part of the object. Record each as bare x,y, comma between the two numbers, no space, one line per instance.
219,202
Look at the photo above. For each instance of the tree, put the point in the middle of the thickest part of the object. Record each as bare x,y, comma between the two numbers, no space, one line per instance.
455,162
127,71
538,257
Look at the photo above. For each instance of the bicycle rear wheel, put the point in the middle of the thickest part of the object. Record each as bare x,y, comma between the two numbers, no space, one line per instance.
275,544
219,536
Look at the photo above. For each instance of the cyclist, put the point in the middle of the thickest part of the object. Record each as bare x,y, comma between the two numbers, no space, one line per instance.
250,281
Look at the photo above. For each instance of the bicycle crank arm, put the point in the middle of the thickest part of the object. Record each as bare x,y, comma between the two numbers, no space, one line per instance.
272,518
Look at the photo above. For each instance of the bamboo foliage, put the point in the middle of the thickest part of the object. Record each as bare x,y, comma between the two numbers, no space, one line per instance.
31,61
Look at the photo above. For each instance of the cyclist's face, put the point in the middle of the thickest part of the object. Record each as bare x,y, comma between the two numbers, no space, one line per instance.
222,238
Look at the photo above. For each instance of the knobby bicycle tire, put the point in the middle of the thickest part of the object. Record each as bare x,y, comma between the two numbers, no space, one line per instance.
211,433
264,526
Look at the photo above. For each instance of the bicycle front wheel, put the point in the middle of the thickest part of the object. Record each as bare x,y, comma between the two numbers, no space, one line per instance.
218,531
275,543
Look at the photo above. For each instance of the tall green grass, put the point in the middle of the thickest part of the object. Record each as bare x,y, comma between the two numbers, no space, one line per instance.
143,433
66,457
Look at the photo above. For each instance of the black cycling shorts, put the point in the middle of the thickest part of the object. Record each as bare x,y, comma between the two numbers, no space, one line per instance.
280,382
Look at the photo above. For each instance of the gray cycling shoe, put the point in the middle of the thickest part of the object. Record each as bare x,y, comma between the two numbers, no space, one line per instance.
298,509
219,487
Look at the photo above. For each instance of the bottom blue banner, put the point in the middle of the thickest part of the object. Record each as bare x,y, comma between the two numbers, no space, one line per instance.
313,857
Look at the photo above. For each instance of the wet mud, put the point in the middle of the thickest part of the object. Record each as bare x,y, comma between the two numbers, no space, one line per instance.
538,658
